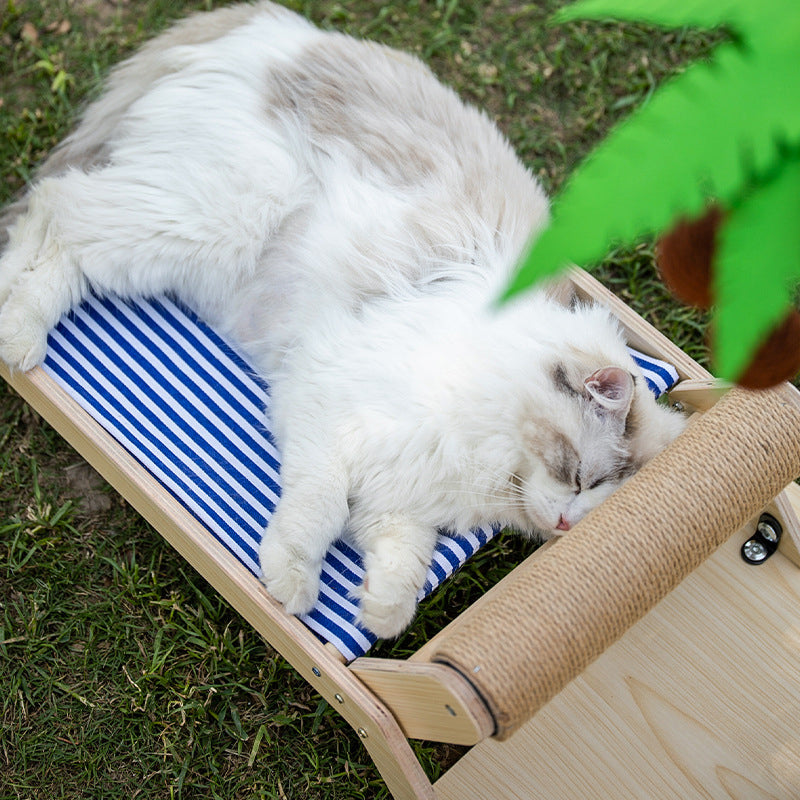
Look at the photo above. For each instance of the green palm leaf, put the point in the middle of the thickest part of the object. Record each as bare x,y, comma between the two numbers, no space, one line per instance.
768,21
720,130
708,133
665,13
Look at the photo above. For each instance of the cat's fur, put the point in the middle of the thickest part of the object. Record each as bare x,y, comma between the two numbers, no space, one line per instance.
344,217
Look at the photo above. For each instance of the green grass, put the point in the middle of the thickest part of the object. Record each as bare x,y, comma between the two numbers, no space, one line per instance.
122,673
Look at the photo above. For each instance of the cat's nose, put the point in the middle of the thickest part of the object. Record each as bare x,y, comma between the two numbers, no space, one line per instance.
563,525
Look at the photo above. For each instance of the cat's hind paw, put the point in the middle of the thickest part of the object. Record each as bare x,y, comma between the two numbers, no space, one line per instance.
23,337
12,265
289,578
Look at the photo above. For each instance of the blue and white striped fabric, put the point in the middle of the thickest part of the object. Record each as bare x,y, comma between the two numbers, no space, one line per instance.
191,410
660,375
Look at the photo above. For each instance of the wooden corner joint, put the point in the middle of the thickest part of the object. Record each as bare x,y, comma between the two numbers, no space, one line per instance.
430,701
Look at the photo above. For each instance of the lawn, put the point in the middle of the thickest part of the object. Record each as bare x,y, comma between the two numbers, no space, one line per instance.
122,673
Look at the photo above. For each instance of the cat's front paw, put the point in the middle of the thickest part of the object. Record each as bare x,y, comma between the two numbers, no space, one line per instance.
386,611
289,578
23,336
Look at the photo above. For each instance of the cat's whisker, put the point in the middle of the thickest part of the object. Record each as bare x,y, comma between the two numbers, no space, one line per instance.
508,494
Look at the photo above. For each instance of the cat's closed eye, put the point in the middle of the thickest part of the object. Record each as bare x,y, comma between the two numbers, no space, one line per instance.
586,483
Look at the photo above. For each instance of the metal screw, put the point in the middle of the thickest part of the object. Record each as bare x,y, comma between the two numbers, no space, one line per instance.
362,733
316,672
754,551
339,698
767,531
451,711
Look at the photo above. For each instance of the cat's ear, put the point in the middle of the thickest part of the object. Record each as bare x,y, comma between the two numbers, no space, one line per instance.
611,388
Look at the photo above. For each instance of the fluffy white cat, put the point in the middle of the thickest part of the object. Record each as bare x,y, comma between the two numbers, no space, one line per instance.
346,219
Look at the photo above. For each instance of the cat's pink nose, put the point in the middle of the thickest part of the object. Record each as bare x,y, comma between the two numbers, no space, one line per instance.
563,525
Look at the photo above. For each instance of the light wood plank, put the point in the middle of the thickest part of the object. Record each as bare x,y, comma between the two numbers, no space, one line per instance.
430,701
786,509
700,699
699,395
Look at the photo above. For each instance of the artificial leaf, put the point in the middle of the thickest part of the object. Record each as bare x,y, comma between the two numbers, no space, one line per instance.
725,131
750,21
757,263
665,13
690,142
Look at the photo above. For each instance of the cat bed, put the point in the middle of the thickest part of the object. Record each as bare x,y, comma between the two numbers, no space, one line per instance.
638,656
188,407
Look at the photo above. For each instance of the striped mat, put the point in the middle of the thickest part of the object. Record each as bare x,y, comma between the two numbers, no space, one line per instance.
188,407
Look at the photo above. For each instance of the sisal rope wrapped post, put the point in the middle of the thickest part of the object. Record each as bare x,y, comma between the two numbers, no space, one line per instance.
563,608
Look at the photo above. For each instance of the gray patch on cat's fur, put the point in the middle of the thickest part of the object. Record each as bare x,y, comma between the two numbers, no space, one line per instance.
562,459
426,137
137,75
334,96
336,90
561,381
624,469
631,422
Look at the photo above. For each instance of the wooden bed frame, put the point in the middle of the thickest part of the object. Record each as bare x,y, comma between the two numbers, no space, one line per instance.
646,658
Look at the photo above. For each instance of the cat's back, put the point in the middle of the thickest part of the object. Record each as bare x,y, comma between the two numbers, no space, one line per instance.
191,44
344,107
336,88
344,162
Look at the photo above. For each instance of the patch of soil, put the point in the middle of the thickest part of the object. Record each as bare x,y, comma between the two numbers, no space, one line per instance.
88,488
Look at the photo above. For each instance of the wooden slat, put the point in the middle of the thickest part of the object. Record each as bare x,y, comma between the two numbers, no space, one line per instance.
699,395
786,509
430,701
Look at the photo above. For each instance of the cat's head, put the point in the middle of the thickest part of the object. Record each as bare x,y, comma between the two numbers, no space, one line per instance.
601,426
